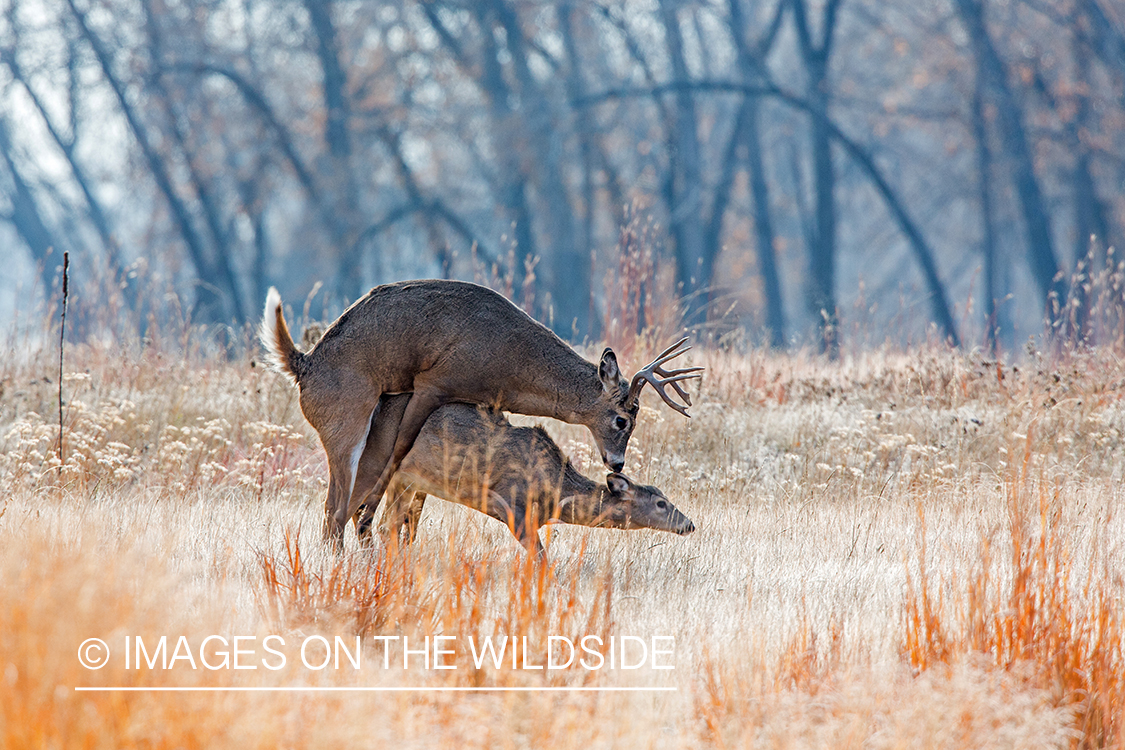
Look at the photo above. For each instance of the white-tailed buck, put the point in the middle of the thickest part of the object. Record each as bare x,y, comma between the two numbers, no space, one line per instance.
447,342
518,475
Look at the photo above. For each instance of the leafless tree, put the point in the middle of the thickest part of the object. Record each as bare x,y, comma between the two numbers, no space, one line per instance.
777,146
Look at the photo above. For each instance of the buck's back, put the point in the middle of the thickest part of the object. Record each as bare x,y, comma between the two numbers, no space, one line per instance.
400,330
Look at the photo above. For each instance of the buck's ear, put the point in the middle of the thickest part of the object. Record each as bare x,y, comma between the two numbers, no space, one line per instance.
609,372
618,483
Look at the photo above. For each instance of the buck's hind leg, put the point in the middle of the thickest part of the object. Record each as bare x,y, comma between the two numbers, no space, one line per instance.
343,461
420,406
343,427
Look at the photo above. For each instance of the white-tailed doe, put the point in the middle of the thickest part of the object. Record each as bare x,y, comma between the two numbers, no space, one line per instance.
518,475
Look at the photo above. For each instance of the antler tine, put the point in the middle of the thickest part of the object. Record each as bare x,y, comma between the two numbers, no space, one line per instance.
668,353
659,385
666,374
660,378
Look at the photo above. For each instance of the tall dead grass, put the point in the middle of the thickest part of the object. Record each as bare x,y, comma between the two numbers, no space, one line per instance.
1041,618
400,592
915,549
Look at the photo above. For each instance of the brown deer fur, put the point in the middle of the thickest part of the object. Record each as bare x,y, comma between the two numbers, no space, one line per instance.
444,342
518,475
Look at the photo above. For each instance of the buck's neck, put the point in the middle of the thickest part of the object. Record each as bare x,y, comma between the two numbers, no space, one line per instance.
569,394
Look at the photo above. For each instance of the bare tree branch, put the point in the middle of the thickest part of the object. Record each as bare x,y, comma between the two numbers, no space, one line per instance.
922,252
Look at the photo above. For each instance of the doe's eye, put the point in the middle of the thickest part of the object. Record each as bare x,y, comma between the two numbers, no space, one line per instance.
661,504
621,423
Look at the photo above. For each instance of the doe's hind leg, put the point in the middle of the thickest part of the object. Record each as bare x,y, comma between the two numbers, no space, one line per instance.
515,517
400,517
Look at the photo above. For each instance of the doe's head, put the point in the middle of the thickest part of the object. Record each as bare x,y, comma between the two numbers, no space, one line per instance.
624,504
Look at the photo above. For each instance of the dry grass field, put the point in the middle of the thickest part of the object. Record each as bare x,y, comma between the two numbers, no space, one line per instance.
899,550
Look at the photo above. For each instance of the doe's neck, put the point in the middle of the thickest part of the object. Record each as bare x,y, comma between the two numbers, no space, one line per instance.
582,500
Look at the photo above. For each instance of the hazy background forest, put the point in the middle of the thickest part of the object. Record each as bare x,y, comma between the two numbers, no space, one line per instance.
834,173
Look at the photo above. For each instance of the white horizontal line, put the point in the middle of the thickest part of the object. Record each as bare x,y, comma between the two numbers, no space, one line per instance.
315,689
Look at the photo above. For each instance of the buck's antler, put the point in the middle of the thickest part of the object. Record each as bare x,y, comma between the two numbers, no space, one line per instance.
650,372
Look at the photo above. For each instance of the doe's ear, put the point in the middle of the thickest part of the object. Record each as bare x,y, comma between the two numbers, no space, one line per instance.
618,483
608,371
565,509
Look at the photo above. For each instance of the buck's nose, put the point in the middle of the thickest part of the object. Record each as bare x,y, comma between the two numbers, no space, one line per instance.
616,463
687,528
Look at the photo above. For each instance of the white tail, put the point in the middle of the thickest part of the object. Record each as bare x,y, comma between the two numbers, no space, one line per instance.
282,354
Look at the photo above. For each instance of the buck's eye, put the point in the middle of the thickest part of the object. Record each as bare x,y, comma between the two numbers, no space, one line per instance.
621,423
661,504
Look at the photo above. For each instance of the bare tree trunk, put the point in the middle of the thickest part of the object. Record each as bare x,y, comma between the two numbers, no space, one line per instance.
429,211
209,304
1041,253
507,141
567,270
822,252
583,249
67,145
337,111
250,195
713,231
1106,38
1091,228
988,232
763,229
752,67
261,254
685,186
224,271
922,252
256,100
27,218
337,137
745,136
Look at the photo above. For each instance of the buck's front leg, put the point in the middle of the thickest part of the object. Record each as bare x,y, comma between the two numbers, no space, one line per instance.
376,455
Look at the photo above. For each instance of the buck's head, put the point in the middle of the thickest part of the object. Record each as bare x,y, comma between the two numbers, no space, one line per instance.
624,504
619,402
616,413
